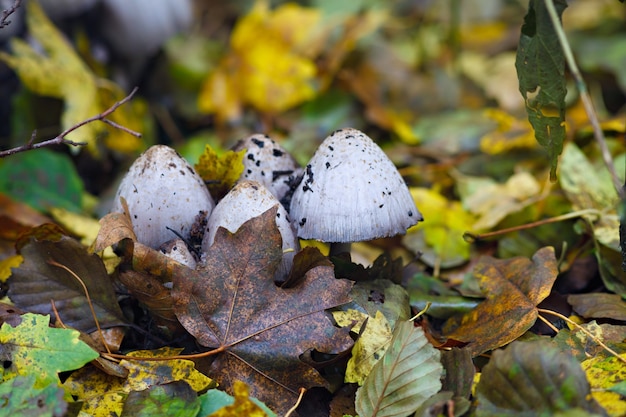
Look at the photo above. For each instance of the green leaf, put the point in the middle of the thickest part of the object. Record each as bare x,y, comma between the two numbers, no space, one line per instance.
175,399
34,348
532,379
42,179
214,400
540,68
18,397
407,375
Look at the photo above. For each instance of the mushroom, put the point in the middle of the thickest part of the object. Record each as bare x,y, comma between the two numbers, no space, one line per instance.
164,195
351,192
177,250
248,199
268,163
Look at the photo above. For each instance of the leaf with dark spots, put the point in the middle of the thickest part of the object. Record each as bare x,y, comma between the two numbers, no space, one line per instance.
36,283
513,288
233,304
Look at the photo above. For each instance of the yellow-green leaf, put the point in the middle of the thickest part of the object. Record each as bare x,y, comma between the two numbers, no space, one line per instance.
220,172
34,348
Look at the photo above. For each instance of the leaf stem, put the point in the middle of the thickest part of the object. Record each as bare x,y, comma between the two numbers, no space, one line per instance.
585,331
472,237
585,97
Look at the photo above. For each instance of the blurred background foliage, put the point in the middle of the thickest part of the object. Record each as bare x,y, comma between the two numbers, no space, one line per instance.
433,82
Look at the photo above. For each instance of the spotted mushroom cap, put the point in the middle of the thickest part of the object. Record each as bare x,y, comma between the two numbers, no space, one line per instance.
162,192
268,163
351,192
248,199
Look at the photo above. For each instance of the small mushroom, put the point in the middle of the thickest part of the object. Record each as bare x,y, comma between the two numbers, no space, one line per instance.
164,195
177,250
248,199
268,163
351,192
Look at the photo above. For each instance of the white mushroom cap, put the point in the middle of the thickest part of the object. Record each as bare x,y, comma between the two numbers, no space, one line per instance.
351,192
246,200
162,191
268,163
177,250
139,27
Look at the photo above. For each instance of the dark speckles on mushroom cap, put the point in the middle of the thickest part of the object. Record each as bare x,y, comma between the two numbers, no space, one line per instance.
268,163
162,190
351,192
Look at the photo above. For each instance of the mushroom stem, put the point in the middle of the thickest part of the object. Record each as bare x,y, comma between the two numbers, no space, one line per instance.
339,247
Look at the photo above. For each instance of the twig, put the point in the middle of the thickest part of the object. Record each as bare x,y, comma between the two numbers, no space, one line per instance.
8,12
585,331
472,237
586,99
61,138
89,303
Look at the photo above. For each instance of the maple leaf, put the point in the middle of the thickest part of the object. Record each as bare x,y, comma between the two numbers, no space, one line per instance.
262,330
513,288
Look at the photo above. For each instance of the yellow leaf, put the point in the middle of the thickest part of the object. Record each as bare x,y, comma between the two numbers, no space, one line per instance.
269,65
242,406
220,172
440,236
511,133
492,201
371,345
602,374
102,393
8,263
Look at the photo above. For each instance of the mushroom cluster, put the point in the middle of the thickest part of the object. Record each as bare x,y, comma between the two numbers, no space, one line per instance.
349,191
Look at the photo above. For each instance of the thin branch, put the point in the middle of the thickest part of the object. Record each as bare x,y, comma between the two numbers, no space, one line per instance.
8,12
585,97
61,138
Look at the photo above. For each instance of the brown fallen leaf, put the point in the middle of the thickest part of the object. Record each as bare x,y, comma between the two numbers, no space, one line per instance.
233,304
36,282
513,288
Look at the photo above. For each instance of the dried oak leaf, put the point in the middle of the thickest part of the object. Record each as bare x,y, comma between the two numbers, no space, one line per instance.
513,288
262,330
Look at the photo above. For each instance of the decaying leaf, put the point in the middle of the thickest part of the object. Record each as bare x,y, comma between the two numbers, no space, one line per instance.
586,188
598,305
19,397
371,344
173,399
37,283
491,202
233,304
603,373
540,65
406,376
532,378
242,406
104,394
34,348
513,288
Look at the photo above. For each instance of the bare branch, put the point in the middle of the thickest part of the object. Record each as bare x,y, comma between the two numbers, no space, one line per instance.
61,138
8,12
